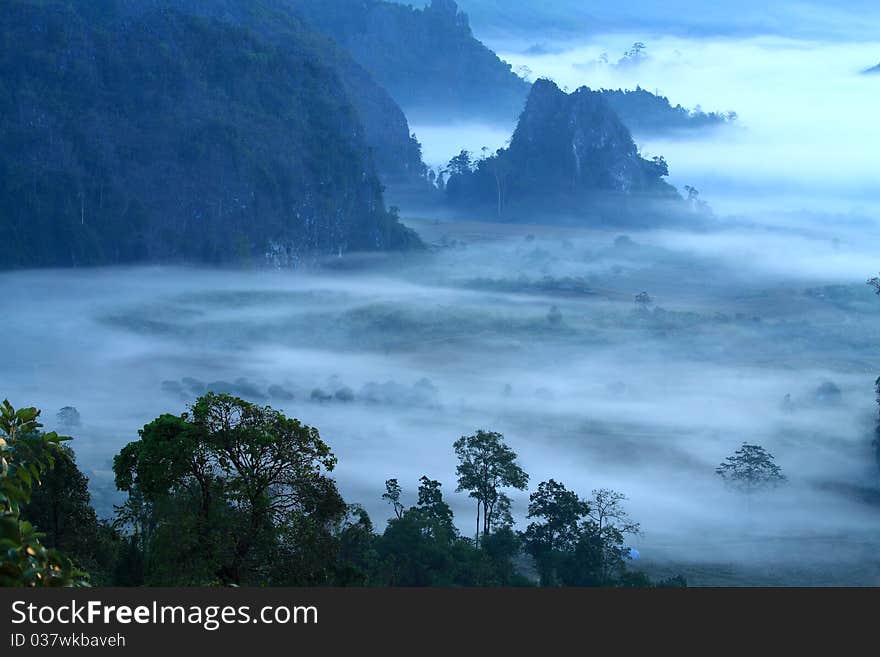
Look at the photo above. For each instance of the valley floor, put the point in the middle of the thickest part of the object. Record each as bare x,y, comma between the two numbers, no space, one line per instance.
527,330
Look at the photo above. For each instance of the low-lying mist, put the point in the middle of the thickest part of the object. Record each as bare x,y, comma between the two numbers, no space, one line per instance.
765,336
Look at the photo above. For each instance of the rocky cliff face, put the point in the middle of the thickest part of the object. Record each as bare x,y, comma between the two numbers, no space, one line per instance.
166,137
570,153
576,140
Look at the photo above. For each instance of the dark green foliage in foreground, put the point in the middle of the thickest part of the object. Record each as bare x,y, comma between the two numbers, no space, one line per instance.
26,456
236,493
578,542
422,547
61,508
221,494
167,137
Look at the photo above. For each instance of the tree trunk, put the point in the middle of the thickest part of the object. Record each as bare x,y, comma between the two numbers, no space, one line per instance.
477,536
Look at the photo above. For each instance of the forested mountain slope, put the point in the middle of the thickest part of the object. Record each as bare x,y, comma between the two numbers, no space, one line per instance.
166,137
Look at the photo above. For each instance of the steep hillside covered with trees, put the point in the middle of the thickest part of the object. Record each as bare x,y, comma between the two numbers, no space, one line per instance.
397,155
167,137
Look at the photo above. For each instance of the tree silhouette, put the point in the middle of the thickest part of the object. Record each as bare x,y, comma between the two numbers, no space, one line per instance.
751,469
643,299
392,496
486,465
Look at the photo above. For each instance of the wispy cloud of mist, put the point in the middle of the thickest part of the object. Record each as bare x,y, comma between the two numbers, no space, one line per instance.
439,345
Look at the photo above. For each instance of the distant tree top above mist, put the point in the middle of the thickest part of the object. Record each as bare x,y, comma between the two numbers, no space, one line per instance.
750,469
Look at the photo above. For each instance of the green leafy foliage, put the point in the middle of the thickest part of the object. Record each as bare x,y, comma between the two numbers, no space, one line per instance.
227,488
486,466
26,455
423,548
576,542
61,507
236,493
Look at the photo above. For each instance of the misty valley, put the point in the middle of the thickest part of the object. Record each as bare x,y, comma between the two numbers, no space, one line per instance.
529,331
337,293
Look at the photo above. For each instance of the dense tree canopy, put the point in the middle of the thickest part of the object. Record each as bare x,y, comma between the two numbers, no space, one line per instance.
231,492
239,477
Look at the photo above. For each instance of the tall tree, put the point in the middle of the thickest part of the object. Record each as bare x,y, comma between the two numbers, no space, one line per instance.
606,510
460,164
486,466
432,505
500,169
420,547
244,470
609,523
558,514
751,469
392,496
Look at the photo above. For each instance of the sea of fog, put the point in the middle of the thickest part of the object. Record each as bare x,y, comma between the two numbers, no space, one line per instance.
393,358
